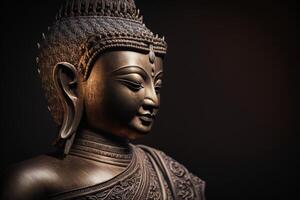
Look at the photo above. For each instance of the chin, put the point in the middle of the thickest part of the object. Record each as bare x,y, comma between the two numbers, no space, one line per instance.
137,134
131,132
138,131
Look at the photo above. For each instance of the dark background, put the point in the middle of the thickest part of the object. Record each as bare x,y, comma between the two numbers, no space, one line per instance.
226,109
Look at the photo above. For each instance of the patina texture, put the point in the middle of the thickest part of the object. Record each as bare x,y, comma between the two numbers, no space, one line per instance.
102,72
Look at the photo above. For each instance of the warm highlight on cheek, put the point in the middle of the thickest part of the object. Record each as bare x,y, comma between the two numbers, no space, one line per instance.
95,86
94,97
94,91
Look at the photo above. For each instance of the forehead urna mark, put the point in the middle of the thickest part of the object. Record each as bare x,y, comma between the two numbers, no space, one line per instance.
152,59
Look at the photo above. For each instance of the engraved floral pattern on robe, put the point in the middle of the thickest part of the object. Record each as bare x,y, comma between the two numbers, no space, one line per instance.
124,190
186,185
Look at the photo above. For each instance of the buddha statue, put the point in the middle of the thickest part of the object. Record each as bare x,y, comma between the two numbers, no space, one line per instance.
101,70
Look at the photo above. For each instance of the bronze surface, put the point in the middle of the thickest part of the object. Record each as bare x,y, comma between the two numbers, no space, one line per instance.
117,100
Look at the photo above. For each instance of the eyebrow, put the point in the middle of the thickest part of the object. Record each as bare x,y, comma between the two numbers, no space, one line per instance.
123,68
158,75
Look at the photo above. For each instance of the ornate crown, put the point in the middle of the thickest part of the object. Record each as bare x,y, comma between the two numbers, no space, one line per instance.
83,30
113,8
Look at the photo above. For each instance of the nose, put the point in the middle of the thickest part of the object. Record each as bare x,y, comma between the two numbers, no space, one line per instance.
151,100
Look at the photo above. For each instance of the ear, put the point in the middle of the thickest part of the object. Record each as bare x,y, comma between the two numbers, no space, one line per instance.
66,78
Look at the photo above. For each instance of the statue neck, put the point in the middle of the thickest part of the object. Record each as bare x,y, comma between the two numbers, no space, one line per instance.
102,147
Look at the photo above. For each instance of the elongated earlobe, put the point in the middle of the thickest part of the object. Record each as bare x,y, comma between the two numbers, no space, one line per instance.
66,78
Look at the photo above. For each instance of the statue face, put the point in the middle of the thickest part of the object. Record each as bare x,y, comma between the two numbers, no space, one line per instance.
121,95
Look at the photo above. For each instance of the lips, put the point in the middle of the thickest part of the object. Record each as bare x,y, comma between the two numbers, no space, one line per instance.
146,118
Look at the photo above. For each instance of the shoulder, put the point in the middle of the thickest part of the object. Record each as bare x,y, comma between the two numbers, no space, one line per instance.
28,179
182,181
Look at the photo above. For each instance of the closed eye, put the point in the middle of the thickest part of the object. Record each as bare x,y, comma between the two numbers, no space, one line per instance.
158,85
133,85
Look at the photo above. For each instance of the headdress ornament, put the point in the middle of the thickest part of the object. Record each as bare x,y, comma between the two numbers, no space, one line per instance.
86,28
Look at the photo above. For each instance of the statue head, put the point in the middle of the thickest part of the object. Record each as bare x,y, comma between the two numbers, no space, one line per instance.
101,68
